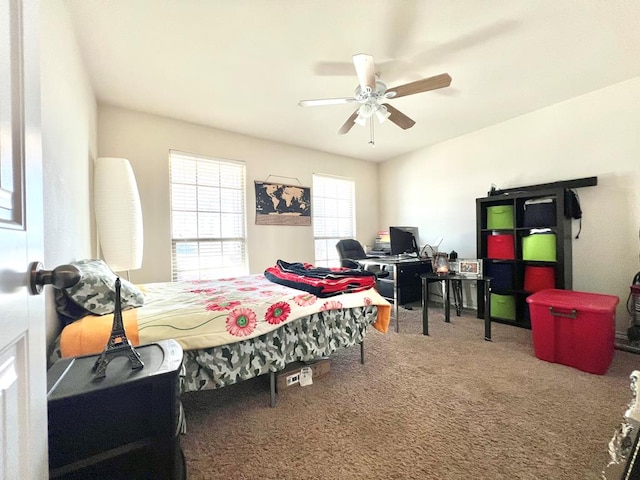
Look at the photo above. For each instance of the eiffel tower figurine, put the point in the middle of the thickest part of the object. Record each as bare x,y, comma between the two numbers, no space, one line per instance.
118,344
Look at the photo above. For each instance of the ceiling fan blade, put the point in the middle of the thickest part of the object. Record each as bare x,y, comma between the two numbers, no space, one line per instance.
399,118
419,86
366,70
326,101
348,124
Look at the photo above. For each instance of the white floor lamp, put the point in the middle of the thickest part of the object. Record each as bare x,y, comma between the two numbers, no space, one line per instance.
118,214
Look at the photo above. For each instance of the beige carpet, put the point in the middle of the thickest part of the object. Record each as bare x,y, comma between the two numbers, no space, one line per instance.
446,406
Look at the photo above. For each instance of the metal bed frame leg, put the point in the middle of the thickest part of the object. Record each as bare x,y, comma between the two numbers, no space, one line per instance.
362,352
272,387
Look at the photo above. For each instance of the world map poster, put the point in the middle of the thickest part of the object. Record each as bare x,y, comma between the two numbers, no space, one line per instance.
280,204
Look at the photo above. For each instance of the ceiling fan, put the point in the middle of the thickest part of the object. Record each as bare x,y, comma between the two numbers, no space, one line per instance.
371,93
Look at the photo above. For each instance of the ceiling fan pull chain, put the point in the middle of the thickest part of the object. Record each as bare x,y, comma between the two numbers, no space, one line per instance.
371,140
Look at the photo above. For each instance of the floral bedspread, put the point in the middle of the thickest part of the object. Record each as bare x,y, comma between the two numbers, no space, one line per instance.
218,312
308,338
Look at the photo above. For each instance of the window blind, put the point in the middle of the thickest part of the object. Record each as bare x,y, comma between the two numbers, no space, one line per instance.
333,216
208,217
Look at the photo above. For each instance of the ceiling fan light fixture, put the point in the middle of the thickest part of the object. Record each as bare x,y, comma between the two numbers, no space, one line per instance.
382,113
365,111
361,120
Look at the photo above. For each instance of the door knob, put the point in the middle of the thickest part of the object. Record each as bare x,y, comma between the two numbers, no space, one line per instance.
64,276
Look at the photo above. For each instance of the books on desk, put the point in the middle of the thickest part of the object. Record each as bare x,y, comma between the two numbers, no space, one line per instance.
382,244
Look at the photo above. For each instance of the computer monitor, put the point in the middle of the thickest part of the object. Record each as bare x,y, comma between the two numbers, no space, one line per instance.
403,240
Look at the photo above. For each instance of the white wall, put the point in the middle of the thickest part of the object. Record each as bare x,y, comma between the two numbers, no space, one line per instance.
69,115
146,139
593,135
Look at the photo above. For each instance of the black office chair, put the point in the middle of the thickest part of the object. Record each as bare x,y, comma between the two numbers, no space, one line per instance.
350,251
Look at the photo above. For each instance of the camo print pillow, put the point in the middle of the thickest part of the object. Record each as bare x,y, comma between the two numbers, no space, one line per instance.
95,292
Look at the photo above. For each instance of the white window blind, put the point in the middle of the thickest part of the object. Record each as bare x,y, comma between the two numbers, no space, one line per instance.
333,216
207,217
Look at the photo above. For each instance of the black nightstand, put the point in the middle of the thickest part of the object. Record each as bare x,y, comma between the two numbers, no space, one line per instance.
124,426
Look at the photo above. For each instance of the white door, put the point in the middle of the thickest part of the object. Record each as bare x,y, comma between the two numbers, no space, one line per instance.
23,406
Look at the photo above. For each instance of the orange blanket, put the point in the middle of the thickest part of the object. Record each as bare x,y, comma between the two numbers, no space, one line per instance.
90,334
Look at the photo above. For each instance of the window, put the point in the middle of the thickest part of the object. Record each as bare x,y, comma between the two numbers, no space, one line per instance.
333,216
208,237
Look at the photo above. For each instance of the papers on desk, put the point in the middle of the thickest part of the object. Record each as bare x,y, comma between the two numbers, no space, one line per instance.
401,257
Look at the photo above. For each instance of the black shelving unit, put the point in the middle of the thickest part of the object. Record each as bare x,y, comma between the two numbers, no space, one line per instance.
561,228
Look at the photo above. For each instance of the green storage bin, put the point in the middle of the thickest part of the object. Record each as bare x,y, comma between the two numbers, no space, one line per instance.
503,306
539,247
500,217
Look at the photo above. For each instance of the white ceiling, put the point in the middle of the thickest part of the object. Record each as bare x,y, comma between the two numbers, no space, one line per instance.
243,65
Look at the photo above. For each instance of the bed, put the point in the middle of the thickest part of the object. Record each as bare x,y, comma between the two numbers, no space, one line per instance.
230,329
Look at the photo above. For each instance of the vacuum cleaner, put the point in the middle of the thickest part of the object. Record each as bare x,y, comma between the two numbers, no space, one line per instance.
633,307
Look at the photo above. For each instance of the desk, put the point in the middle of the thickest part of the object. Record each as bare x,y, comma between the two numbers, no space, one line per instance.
447,279
404,281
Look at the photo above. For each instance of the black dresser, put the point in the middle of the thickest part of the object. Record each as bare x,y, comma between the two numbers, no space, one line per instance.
124,426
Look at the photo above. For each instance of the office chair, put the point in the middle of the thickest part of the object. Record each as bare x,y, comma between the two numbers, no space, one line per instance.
350,251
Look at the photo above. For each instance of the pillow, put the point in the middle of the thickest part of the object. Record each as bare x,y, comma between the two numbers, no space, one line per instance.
68,310
95,292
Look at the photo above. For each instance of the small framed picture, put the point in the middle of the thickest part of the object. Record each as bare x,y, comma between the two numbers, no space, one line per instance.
471,267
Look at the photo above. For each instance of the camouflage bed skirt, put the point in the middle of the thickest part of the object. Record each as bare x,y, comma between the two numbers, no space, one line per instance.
314,336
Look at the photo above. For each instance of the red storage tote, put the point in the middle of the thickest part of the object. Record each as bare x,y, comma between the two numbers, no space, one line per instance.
501,246
539,278
574,328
